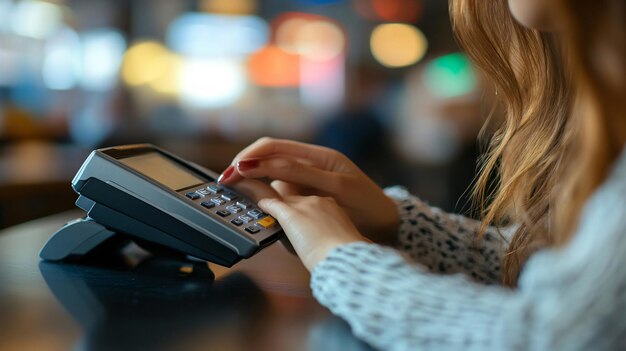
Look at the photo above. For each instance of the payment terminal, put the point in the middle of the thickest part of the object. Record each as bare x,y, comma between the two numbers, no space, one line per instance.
160,201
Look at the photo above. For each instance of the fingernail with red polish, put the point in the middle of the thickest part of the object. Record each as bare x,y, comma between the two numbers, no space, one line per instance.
246,165
227,173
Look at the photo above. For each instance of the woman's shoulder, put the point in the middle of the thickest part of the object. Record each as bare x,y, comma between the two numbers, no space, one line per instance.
606,208
619,168
615,183
599,242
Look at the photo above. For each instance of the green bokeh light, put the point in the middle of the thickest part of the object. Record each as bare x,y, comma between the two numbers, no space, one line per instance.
450,76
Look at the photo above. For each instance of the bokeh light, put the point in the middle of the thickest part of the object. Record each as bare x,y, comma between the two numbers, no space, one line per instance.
143,63
36,19
198,34
313,37
167,82
92,124
450,76
6,14
103,51
274,67
397,45
229,7
407,11
211,83
62,61
397,10
323,83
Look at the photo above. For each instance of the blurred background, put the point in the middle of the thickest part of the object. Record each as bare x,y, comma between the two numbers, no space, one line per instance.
380,80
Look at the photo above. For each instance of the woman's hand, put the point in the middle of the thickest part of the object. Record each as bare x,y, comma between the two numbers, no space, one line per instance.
314,225
303,169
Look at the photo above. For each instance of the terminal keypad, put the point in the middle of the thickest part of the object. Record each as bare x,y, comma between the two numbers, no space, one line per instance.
231,208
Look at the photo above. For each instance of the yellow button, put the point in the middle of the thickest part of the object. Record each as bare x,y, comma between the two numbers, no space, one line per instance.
186,269
267,222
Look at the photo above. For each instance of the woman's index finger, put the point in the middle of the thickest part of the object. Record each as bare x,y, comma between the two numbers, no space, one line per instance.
266,147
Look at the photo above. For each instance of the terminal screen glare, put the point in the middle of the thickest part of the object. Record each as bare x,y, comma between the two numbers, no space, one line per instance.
163,170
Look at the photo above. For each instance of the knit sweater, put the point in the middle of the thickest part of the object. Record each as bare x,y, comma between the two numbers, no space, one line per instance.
439,289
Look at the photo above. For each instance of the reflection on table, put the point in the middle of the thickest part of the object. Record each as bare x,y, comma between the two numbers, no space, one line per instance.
135,301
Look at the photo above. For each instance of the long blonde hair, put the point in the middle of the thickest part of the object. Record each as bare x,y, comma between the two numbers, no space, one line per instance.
564,119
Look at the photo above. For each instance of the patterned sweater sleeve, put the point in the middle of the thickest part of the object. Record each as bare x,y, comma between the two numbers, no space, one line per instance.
446,243
569,298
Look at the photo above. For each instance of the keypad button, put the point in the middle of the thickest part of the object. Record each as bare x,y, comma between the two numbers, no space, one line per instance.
234,208
244,204
202,192
267,222
193,195
256,214
229,196
222,213
253,229
214,188
218,201
246,219
208,204
237,222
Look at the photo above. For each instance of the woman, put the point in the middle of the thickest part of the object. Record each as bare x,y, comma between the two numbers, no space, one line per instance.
557,68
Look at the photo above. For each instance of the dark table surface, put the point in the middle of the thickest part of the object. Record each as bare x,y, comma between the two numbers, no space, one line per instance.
137,301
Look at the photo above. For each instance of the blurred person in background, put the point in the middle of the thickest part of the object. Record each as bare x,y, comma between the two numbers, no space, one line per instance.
555,278
360,130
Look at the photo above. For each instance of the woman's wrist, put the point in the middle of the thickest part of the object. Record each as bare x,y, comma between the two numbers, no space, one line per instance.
388,225
312,259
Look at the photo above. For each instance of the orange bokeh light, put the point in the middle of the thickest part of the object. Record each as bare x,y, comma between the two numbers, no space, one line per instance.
305,49
290,16
314,37
274,67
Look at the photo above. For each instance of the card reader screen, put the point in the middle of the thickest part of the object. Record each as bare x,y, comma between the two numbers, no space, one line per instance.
163,170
